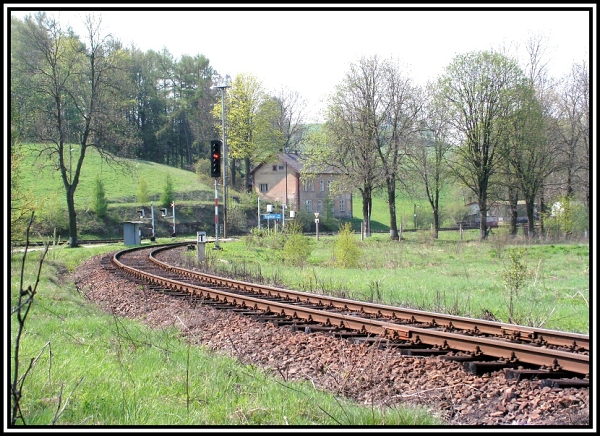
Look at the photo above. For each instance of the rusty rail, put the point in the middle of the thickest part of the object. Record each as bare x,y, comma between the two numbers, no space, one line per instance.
546,348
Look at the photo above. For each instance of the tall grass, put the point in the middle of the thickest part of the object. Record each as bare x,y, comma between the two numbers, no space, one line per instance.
92,368
447,275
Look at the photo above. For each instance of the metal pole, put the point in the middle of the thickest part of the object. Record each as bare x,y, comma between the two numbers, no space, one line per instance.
216,217
258,215
152,208
173,204
224,163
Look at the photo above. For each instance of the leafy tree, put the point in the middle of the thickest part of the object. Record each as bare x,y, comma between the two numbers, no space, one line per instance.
99,202
251,134
531,155
167,196
21,203
477,93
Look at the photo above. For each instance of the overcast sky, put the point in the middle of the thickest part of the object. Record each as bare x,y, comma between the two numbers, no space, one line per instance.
309,51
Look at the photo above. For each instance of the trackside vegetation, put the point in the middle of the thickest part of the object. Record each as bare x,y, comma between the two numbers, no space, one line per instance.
504,278
91,368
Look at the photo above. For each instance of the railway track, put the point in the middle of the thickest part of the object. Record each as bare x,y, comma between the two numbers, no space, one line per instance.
559,358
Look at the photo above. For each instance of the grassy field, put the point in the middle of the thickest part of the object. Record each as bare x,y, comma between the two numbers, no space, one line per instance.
466,278
94,369
100,367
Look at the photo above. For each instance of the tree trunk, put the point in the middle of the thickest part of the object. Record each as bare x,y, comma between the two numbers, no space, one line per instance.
72,218
436,222
232,171
513,198
530,203
247,180
391,188
367,205
483,228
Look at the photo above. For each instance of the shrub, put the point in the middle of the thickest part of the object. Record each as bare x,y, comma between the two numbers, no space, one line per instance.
167,196
346,253
202,170
99,203
297,247
142,192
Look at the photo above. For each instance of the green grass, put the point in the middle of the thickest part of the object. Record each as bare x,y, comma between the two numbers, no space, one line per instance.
120,181
465,278
112,371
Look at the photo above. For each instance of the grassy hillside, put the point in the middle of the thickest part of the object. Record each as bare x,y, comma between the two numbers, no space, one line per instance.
193,195
120,180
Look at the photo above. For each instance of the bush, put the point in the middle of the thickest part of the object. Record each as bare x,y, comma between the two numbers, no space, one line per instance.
202,170
236,219
142,193
346,253
568,219
167,196
297,247
99,203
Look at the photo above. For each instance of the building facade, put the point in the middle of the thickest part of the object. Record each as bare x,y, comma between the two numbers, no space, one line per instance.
279,180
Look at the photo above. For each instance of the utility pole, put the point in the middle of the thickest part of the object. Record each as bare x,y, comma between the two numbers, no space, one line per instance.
222,86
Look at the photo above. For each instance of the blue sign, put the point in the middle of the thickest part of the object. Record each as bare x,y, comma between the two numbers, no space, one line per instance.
272,216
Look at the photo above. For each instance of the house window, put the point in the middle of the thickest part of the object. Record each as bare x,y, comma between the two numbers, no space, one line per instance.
319,206
280,167
329,185
305,186
264,187
342,205
309,206
322,183
274,167
312,186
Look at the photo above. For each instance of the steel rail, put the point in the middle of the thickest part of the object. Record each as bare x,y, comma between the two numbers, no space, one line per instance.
498,348
537,336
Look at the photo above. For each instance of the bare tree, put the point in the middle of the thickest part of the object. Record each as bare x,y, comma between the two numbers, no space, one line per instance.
290,119
426,157
371,117
572,129
76,96
21,311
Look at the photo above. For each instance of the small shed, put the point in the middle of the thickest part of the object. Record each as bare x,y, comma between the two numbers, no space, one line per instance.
131,232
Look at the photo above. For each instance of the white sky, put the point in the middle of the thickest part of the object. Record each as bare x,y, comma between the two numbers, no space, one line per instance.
309,51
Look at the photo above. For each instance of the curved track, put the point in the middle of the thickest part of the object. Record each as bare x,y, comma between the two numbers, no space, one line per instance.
550,352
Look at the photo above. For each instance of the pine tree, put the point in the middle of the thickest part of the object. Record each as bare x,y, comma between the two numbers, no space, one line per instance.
167,196
99,202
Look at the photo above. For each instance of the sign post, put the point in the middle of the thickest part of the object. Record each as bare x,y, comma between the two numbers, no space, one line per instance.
317,223
201,248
